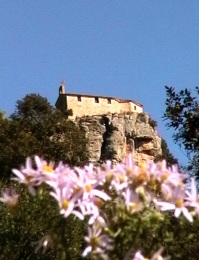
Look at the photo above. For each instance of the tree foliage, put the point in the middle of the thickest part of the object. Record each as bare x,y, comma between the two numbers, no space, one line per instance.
166,155
182,114
32,107
37,128
152,123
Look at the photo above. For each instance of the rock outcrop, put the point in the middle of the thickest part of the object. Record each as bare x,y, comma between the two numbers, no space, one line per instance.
113,136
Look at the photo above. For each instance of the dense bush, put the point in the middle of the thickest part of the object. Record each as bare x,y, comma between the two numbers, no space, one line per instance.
24,229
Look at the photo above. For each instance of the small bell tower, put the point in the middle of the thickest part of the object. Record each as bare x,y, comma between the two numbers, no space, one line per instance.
62,88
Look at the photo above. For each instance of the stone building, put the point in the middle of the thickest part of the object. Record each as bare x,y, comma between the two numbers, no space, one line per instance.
82,104
114,127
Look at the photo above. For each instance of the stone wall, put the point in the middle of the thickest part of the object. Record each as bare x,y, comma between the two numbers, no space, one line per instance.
114,135
91,105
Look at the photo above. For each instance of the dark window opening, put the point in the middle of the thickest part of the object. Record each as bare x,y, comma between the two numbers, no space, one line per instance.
96,100
109,101
135,107
79,98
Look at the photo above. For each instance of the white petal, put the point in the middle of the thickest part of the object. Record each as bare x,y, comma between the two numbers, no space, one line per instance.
101,194
187,214
38,161
19,174
165,205
87,251
177,212
54,195
193,189
78,214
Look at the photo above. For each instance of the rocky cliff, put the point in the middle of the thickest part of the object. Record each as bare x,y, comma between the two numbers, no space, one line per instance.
113,136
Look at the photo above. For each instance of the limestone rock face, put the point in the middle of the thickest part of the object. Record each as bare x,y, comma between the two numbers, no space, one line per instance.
113,136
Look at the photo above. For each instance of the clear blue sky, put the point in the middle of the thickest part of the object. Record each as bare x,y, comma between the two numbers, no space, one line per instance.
128,49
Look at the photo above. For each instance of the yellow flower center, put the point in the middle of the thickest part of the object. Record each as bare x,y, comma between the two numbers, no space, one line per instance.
152,183
47,168
141,177
179,203
94,242
65,204
122,178
129,171
88,187
142,165
164,176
